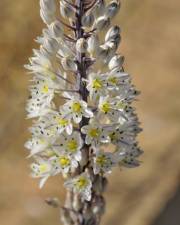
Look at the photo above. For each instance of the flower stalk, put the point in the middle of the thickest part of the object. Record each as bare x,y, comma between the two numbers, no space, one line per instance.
95,127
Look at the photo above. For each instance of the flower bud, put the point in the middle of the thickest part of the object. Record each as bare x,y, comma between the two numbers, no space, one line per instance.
81,45
48,5
66,10
112,46
116,61
65,217
46,17
99,8
88,20
93,44
51,45
69,64
113,8
100,184
103,52
56,29
112,33
77,203
98,205
87,212
102,22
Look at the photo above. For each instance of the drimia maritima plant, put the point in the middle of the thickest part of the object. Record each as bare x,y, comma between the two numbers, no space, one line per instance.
81,100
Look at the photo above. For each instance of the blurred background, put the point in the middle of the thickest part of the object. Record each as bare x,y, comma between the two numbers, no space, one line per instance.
148,195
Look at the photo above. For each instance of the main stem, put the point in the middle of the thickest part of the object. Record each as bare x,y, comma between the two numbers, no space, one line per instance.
87,213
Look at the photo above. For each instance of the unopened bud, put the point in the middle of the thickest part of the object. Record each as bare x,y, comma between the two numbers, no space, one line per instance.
99,8
81,45
66,10
116,61
48,5
69,64
113,8
88,20
93,44
77,203
103,52
48,9
51,45
112,33
46,17
56,29
102,23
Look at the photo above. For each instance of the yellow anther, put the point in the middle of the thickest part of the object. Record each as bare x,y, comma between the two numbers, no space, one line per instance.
105,107
97,84
121,105
64,161
101,160
62,122
76,107
45,89
43,168
72,145
81,183
113,80
94,132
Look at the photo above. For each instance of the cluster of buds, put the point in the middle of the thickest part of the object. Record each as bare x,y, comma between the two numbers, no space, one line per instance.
81,102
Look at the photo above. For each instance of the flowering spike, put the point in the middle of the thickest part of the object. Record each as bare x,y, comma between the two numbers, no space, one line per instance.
95,127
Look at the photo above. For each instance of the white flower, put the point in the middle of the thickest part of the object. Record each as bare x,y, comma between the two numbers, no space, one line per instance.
112,107
52,124
96,85
81,184
104,161
76,108
115,79
63,163
124,134
95,133
42,169
71,145
38,144
36,108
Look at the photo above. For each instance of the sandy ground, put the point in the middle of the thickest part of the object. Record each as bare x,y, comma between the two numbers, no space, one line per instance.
143,196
